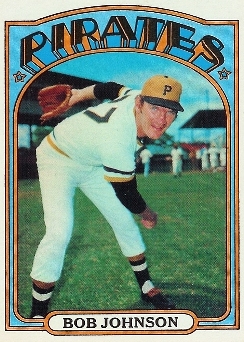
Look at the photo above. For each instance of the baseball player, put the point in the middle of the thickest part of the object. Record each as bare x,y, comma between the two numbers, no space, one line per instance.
222,156
213,152
176,154
81,152
145,156
205,158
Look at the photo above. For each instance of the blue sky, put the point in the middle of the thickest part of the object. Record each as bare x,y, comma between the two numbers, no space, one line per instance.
132,69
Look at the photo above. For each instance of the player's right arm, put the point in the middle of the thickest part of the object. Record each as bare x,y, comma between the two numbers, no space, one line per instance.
130,197
101,91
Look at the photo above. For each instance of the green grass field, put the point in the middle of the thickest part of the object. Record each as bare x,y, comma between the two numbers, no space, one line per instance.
186,252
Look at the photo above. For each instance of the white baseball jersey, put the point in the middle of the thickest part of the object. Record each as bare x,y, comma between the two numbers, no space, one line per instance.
176,154
145,156
213,154
112,145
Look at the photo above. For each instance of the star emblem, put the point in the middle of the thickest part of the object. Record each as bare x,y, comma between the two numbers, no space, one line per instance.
19,77
224,74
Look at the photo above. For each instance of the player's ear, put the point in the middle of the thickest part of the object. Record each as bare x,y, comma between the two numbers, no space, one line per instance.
139,102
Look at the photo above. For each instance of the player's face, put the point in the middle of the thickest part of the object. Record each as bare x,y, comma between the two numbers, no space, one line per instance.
152,120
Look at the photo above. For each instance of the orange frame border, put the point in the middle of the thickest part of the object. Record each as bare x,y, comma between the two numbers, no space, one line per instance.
236,186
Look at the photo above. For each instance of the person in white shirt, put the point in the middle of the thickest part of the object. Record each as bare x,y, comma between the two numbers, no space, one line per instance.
205,158
145,156
213,157
177,155
222,157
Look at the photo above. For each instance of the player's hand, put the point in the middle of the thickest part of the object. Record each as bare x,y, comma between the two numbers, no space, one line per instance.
148,218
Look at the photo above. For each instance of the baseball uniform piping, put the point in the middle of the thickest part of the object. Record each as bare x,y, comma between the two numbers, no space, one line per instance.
51,143
118,179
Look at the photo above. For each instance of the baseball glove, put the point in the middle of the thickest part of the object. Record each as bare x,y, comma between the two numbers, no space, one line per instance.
54,101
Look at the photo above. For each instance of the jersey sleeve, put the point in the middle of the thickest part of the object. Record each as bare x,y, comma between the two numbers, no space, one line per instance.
108,90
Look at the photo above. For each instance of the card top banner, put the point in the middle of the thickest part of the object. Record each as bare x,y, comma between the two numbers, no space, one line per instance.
199,44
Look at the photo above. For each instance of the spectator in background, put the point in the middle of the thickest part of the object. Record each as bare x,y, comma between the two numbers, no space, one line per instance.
222,157
213,157
177,154
145,156
205,158
198,158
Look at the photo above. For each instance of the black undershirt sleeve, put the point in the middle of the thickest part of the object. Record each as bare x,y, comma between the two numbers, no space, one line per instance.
108,90
129,196
126,192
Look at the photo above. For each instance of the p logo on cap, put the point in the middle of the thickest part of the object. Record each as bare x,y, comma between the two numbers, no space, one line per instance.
163,91
167,89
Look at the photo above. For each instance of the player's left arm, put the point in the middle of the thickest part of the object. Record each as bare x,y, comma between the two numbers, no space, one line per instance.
130,197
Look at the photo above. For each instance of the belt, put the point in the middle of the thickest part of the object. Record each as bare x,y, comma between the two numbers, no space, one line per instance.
51,143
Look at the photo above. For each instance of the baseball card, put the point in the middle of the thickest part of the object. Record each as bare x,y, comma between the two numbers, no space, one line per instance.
121,163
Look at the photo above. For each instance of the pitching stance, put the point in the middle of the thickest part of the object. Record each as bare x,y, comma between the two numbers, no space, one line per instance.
81,152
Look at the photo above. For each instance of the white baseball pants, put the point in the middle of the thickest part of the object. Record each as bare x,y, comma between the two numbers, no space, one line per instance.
59,176
177,166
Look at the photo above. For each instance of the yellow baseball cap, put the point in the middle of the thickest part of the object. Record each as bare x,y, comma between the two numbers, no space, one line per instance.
163,91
